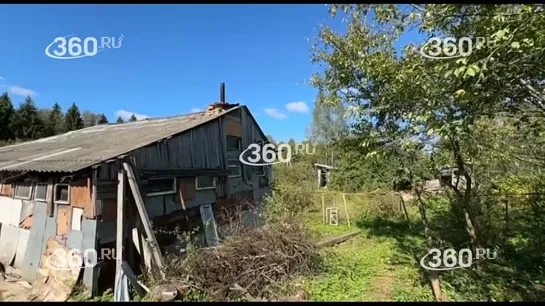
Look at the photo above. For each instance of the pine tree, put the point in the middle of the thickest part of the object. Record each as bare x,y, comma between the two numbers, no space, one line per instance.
133,118
72,119
102,119
55,122
119,120
6,113
26,123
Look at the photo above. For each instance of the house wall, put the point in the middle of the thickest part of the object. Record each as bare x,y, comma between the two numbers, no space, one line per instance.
31,222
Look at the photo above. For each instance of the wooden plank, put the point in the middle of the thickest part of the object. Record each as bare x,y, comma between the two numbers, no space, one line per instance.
132,279
119,224
145,219
323,209
346,210
339,239
49,195
233,128
64,216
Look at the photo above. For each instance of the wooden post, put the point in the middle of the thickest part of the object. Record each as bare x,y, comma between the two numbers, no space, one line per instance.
119,225
156,251
405,210
323,209
346,210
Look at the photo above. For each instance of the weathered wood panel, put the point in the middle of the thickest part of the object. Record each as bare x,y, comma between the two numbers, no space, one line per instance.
81,197
6,190
233,128
64,216
187,186
109,210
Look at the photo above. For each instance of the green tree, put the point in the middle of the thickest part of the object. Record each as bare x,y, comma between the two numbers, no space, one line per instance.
102,119
56,120
89,118
119,120
6,113
133,118
26,122
72,119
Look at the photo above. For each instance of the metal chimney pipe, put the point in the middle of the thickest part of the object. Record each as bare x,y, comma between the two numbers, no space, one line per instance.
222,92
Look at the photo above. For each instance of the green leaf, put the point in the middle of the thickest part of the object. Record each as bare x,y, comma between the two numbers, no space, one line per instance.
460,92
515,45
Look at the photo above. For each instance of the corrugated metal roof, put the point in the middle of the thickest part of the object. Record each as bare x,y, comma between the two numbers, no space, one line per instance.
80,149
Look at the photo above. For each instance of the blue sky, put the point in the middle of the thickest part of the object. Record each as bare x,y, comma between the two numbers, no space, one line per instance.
172,59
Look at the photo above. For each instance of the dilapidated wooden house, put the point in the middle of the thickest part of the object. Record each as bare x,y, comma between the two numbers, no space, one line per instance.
71,187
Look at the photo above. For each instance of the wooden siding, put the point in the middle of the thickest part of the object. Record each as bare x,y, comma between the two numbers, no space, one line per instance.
80,197
187,187
233,128
202,147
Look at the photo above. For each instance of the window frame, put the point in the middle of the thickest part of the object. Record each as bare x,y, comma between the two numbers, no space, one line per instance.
173,191
239,147
205,188
55,194
30,193
36,185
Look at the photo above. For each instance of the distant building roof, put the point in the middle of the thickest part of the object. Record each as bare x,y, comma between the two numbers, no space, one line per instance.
80,149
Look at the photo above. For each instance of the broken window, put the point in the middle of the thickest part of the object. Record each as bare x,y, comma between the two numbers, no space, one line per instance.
233,143
234,167
23,190
205,182
62,193
40,192
159,186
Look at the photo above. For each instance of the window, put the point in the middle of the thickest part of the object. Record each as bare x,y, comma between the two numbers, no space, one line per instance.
62,193
159,186
205,182
259,171
234,167
23,190
233,143
40,192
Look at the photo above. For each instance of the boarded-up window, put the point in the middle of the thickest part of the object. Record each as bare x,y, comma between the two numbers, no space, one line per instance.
40,192
187,188
23,190
233,128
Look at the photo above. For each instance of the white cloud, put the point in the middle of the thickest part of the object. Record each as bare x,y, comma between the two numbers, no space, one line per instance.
297,107
196,110
273,112
257,114
16,90
126,115
2,78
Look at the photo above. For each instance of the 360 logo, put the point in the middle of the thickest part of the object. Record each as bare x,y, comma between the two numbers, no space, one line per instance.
449,259
72,47
63,259
450,47
263,155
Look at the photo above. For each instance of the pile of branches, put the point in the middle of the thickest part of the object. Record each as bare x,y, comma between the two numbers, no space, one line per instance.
254,263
